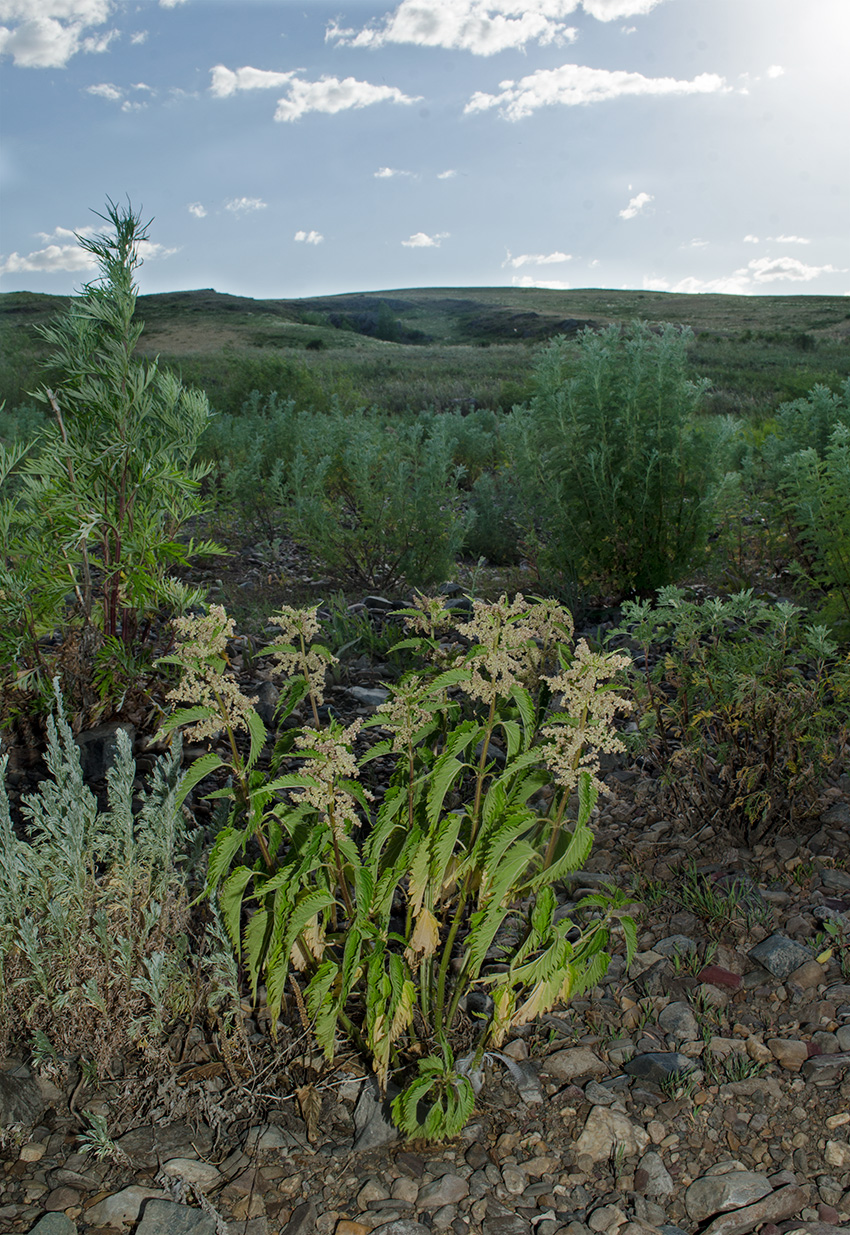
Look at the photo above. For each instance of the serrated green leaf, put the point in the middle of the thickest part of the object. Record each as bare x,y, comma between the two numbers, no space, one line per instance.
230,903
200,768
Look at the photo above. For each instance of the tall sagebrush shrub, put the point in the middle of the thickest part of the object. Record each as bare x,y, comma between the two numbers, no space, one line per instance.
107,486
614,470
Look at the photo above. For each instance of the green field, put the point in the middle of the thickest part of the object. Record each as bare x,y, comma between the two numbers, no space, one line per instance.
447,347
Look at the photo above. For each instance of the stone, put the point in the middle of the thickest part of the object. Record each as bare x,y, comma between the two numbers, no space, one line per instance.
302,1221
371,696
400,1226
717,1194
675,945
605,1131
507,1224
171,1218
723,979
347,1227
825,1069
598,1094
835,880
658,1065
54,1224
373,1125
447,1190
201,1175
809,975
21,1101
678,1020
837,1154
780,955
789,1053
606,1218
122,1208
575,1061
148,1145
656,1180
268,697
98,747
268,1136
778,1205
61,1198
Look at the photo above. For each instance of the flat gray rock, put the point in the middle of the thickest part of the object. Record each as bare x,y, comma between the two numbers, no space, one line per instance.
659,1065
373,1125
54,1224
780,955
717,1194
20,1098
170,1218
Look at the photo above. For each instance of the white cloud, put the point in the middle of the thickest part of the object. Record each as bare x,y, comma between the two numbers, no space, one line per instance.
105,91
789,239
747,279
613,10
309,237
536,259
45,34
330,95
575,84
698,244
636,205
387,173
245,205
197,210
776,70
141,36
448,174
170,4
526,280
420,240
483,27
61,252
751,240
769,269
226,82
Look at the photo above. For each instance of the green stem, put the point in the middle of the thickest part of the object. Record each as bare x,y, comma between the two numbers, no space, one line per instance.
479,783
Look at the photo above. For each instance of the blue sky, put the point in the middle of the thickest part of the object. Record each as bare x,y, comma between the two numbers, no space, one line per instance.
297,147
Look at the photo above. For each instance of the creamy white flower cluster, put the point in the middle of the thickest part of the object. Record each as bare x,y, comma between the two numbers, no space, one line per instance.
201,652
405,712
508,641
589,703
292,651
331,759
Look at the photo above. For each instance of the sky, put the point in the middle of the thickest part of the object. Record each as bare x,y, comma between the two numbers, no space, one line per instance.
289,148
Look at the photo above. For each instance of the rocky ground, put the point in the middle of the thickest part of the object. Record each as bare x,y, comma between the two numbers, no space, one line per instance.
706,1091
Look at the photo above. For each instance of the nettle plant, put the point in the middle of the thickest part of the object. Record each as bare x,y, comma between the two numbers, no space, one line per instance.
428,917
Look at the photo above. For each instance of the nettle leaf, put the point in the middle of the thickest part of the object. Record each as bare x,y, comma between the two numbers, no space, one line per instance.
443,843
227,844
567,860
230,903
254,943
495,804
202,767
307,907
257,731
323,1007
513,736
587,795
446,772
525,707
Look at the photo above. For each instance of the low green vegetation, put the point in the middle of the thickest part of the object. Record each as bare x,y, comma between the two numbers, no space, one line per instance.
401,878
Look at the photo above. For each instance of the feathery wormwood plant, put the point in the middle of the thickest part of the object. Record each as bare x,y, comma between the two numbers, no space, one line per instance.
397,915
93,908
104,490
744,710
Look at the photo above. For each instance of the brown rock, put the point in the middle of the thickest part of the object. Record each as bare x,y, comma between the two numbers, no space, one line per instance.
808,976
790,1053
346,1227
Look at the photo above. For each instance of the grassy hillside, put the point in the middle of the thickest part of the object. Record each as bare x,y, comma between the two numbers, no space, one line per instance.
447,347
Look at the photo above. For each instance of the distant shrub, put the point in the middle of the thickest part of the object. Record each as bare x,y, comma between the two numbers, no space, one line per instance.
374,497
615,471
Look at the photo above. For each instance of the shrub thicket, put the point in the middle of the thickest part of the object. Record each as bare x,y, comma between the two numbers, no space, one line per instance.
615,471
